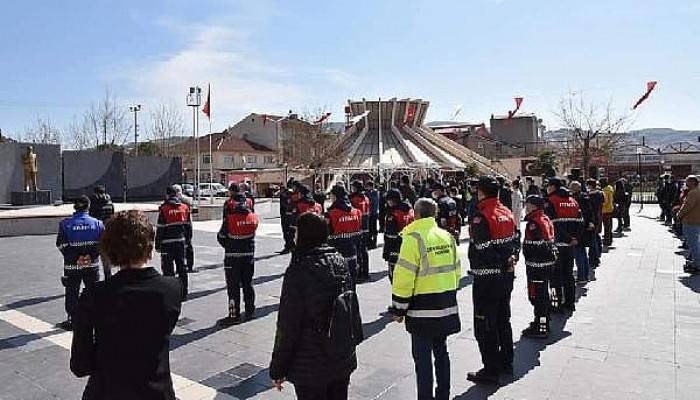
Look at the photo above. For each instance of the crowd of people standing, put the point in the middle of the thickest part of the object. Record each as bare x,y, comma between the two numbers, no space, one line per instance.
558,227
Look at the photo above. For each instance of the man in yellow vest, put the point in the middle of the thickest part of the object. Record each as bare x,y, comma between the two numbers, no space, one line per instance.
424,291
608,209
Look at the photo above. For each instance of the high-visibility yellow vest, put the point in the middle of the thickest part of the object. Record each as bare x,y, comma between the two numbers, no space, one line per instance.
608,202
426,276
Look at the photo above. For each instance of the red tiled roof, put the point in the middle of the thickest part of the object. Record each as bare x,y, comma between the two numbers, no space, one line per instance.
223,142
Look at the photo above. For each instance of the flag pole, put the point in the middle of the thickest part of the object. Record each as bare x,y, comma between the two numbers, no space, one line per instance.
211,157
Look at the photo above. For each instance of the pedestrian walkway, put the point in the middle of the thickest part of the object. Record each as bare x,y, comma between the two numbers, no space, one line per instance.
636,334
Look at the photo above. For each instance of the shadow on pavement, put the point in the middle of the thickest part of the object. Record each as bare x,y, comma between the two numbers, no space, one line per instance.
526,357
251,386
692,282
23,339
30,302
256,281
372,328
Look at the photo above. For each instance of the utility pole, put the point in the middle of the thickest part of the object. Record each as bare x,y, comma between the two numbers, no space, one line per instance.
194,100
135,109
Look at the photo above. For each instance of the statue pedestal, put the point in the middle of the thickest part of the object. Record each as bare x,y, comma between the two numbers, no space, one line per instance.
40,197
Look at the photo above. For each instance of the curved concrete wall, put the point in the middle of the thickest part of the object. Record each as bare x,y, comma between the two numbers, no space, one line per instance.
148,176
84,169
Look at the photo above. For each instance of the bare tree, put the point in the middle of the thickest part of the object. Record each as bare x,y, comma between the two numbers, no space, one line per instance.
166,122
104,124
591,123
42,131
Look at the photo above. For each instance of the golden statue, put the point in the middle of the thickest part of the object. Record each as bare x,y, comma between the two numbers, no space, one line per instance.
31,169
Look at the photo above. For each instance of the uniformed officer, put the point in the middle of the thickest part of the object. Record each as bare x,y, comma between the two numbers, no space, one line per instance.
306,203
286,211
448,214
345,227
320,196
505,195
101,207
565,214
189,249
237,237
540,257
493,253
424,291
173,232
374,200
398,214
78,240
247,190
362,204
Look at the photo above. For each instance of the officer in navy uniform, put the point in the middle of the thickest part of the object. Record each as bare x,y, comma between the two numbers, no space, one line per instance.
286,211
101,207
540,258
362,204
448,214
344,227
78,240
173,232
237,237
565,214
398,214
493,253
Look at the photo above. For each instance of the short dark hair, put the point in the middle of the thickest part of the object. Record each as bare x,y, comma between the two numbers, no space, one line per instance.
312,231
128,238
82,203
591,182
693,178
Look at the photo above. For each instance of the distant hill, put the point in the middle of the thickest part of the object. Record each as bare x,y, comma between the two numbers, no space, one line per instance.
654,137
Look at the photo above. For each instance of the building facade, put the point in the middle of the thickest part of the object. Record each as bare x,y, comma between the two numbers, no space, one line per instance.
228,154
521,129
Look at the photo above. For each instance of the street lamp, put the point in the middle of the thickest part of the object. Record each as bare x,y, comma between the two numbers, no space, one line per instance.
135,109
639,175
194,100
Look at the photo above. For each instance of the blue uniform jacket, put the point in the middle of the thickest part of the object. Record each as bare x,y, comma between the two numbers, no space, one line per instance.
78,236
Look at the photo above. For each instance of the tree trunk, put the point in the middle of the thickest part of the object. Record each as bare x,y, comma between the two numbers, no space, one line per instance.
586,156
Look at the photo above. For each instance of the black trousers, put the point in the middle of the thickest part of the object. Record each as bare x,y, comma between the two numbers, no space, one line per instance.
337,390
492,329
563,280
71,281
538,292
189,257
172,259
372,238
239,273
626,215
607,229
362,257
287,231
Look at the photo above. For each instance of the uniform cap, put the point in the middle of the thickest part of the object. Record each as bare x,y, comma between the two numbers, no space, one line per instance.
339,191
393,194
438,186
535,200
234,188
357,185
488,184
556,181
170,191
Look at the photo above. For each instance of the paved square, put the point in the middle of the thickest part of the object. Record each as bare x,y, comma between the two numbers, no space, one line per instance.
636,334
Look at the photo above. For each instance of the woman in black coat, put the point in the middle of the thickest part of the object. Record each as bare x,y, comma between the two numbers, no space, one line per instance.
621,204
310,286
121,335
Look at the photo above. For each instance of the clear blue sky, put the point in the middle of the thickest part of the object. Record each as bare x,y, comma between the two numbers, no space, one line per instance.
271,56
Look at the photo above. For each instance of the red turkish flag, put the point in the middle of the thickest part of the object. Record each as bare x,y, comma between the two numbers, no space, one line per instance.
410,113
518,102
323,118
207,104
650,86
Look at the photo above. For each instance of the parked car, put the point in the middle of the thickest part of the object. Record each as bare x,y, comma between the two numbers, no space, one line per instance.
212,189
187,189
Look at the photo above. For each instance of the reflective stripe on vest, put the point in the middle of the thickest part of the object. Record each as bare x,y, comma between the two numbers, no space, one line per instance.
445,312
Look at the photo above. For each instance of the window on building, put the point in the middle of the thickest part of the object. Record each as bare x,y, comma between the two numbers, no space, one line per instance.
251,159
206,159
228,160
269,159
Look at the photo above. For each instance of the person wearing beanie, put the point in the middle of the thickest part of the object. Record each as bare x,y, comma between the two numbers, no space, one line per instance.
540,258
173,233
78,241
345,227
565,213
362,204
448,214
398,214
493,253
